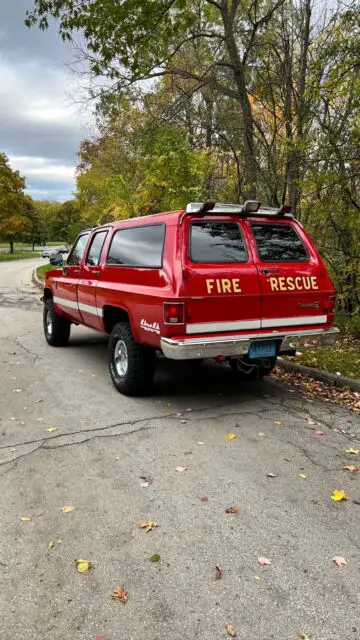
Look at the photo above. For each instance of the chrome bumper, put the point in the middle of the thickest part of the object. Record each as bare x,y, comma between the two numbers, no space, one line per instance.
238,345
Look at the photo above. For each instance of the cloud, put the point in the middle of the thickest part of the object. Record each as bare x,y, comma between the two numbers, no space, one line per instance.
40,126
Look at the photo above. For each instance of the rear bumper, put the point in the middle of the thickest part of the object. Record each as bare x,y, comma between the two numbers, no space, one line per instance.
237,345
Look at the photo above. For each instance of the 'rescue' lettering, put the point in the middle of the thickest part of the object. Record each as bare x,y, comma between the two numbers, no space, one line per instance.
223,285
300,283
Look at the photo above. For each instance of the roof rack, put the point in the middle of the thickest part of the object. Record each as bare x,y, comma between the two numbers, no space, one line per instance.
250,207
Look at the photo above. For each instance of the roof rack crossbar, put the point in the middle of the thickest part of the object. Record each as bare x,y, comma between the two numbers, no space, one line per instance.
250,207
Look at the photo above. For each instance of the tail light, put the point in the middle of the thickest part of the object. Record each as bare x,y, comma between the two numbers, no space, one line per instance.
174,313
331,304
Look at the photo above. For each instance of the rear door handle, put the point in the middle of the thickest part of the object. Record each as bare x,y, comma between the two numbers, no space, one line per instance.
96,273
270,270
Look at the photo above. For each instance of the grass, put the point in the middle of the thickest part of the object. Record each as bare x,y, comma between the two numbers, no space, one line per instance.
19,255
22,245
40,271
343,357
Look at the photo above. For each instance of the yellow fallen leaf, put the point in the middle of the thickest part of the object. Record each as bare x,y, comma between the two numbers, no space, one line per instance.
52,544
67,509
51,429
148,525
303,636
302,475
230,630
25,519
338,495
257,578
278,422
83,566
354,452
230,436
155,558
351,468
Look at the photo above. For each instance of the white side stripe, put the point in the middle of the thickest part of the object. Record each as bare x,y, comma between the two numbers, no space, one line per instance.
63,302
211,327
79,306
266,323
292,322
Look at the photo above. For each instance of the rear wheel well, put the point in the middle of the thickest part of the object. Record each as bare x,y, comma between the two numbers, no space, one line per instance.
113,315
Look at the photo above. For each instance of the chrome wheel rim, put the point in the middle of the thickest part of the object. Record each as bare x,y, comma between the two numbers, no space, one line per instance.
121,358
48,323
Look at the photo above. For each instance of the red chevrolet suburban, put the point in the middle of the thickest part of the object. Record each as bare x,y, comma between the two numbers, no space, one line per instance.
239,283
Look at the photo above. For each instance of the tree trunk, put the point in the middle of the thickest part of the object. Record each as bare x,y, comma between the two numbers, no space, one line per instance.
301,108
33,246
249,160
11,246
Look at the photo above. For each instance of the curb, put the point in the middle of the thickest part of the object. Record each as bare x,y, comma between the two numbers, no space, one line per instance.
323,376
36,281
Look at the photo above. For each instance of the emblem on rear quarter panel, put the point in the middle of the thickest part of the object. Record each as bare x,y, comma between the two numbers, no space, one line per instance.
152,327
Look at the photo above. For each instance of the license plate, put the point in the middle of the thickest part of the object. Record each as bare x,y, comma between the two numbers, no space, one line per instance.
263,349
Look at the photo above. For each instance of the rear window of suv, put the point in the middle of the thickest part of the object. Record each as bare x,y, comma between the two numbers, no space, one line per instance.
216,242
278,243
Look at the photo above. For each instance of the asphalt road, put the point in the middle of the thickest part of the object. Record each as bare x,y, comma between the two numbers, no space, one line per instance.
103,442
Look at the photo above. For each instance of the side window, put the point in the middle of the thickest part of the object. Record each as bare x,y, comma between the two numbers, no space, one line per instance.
278,243
77,251
94,253
138,246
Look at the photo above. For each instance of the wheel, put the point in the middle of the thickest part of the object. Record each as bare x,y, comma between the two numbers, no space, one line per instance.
249,370
56,328
132,366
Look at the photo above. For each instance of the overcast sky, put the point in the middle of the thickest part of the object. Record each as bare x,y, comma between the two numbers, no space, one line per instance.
40,126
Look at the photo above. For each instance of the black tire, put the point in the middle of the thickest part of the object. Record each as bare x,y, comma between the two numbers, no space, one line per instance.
56,328
139,368
246,369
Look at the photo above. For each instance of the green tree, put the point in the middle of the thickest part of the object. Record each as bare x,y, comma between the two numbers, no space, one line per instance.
35,229
12,203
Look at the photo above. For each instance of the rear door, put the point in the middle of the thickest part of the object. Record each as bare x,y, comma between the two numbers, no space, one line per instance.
294,284
220,278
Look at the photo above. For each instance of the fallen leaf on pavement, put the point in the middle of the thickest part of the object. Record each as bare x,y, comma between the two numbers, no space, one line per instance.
351,467
302,475
271,475
265,562
144,484
230,436
25,519
218,574
181,469
83,566
201,442
17,390
354,452
204,499
261,434
148,525
232,510
155,558
338,495
230,630
303,636
339,561
146,481
319,433
278,422
37,401
120,594
312,422
51,429
52,544
67,509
